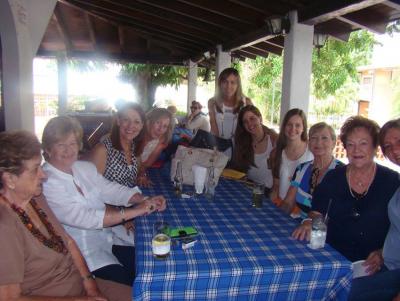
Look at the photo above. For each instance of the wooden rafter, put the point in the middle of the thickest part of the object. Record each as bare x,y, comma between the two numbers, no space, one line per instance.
62,28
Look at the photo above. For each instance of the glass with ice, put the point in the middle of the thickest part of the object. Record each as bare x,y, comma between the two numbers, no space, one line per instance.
318,233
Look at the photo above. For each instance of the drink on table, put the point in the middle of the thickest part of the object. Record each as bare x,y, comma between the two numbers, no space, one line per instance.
258,191
178,179
318,233
161,245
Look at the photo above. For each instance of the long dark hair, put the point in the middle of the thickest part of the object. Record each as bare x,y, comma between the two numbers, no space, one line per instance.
282,141
243,156
114,134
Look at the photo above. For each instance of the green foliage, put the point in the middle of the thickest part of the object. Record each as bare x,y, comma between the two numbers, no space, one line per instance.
395,85
159,75
337,62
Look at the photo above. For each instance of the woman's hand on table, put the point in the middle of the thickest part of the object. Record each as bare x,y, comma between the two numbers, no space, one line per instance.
374,262
160,202
303,231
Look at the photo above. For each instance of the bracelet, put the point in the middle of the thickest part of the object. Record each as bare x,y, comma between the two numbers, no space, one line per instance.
305,220
89,277
122,212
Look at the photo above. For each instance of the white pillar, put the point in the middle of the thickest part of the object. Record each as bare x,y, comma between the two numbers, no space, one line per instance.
297,62
22,25
62,72
222,61
192,84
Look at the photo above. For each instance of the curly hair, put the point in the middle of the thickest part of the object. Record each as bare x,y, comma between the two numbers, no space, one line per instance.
16,148
57,129
354,122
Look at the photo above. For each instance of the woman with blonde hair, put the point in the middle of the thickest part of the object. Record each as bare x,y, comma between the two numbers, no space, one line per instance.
224,107
158,134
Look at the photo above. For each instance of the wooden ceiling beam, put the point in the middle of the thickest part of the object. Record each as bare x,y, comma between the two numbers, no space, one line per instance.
153,59
324,10
247,54
257,51
246,40
203,16
121,38
134,17
278,41
228,11
269,47
267,7
92,33
155,12
395,4
362,20
62,28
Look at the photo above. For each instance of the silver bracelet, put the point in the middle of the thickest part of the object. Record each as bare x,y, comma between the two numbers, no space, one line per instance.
306,219
122,212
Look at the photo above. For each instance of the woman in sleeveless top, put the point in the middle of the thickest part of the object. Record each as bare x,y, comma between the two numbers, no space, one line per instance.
253,145
158,134
291,150
116,158
224,107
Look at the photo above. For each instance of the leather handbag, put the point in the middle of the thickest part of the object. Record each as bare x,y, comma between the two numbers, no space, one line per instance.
190,156
204,139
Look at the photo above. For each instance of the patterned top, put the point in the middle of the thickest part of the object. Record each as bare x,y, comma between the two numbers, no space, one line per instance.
117,168
302,179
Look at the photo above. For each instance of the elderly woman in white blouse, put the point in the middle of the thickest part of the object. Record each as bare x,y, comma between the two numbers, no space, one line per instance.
86,203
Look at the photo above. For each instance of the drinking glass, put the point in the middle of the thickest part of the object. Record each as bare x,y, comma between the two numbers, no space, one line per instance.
258,192
161,242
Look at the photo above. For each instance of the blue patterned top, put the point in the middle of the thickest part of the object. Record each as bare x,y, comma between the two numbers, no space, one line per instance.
302,181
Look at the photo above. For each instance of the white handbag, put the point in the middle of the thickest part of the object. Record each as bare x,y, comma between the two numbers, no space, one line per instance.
190,156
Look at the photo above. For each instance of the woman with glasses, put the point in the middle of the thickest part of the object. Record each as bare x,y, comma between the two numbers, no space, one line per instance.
354,197
197,119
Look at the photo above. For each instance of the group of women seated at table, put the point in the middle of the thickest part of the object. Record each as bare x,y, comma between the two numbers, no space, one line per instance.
75,241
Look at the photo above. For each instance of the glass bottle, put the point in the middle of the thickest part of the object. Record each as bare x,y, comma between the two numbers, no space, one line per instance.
178,179
210,186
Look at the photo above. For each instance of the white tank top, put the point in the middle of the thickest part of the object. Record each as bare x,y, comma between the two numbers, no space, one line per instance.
287,169
226,122
261,173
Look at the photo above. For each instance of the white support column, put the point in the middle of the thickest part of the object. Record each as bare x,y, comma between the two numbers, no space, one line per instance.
22,25
297,66
62,72
192,84
222,61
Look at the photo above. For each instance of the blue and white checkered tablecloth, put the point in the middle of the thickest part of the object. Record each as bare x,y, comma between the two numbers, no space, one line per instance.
242,253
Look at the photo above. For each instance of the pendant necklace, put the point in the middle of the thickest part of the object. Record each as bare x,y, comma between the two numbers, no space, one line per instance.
259,141
360,195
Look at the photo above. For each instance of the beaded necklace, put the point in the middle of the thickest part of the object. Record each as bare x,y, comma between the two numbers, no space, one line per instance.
55,241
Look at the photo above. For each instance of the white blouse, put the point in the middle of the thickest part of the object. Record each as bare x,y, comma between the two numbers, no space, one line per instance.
261,173
82,215
287,169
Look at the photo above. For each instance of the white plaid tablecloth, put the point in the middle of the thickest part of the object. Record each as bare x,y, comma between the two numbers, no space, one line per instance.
242,253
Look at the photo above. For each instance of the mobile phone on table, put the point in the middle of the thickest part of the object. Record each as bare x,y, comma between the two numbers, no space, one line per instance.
182,232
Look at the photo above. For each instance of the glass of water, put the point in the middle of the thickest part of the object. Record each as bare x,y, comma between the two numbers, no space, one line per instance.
318,233
258,192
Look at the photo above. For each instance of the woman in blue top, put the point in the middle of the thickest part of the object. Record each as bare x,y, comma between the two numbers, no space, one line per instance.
308,175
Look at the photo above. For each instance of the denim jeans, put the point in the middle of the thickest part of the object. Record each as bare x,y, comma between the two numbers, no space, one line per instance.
383,285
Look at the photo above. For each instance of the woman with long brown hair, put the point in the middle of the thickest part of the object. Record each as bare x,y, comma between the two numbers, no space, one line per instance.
291,150
253,145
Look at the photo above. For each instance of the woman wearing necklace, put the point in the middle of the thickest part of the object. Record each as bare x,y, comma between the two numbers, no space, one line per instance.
38,259
308,175
253,145
291,150
355,197
385,284
224,107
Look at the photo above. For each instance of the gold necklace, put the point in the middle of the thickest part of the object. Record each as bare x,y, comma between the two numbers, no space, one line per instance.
348,175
